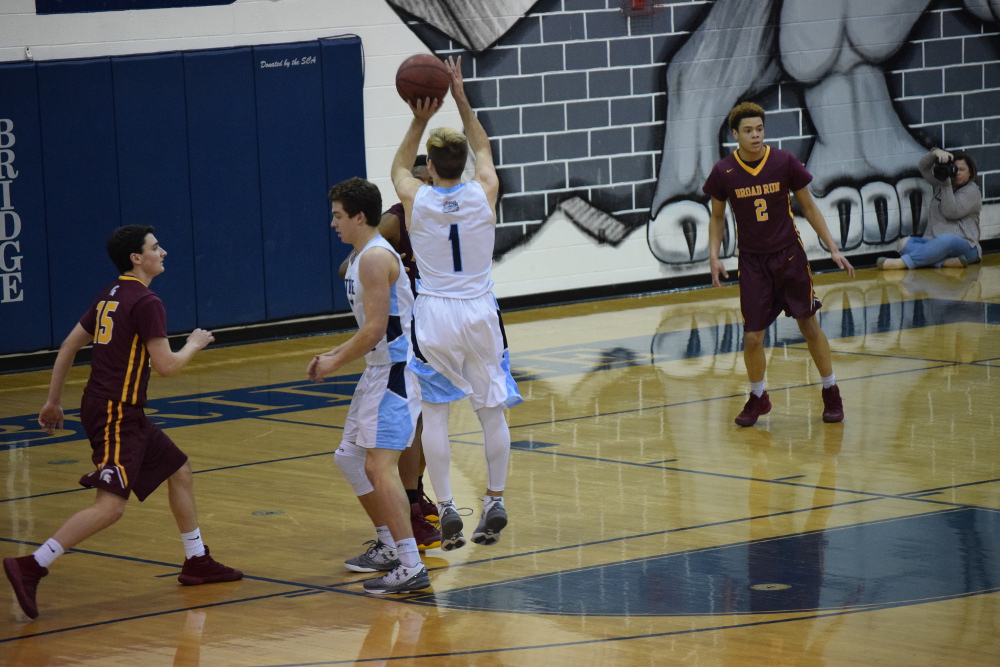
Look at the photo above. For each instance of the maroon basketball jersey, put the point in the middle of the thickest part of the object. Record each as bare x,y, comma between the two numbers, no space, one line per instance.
760,197
122,320
405,249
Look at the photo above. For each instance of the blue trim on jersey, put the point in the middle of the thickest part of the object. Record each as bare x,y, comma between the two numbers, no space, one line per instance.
395,423
434,387
393,300
399,350
513,395
397,344
448,191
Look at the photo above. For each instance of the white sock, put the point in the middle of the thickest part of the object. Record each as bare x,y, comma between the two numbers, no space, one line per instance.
48,552
384,536
407,552
193,546
829,381
758,388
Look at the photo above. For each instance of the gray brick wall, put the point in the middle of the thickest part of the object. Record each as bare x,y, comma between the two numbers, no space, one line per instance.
947,87
574,100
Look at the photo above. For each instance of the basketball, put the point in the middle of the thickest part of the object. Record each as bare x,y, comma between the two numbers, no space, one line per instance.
422,75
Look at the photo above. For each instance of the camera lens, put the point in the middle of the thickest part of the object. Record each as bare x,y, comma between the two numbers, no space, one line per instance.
944,170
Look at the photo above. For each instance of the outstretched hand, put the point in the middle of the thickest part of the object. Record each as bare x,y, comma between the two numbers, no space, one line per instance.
457,82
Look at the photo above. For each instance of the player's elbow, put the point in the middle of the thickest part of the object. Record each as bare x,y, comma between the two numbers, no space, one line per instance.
166,367
369,335
164,372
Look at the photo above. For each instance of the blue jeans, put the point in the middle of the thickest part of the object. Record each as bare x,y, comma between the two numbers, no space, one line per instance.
920,252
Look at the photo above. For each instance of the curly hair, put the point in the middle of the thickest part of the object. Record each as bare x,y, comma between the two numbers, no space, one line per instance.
744,110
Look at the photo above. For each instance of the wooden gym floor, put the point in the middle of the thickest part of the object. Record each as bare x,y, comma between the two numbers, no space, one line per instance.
646,528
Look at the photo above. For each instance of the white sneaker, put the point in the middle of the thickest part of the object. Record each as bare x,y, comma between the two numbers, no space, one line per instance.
402,579
378,558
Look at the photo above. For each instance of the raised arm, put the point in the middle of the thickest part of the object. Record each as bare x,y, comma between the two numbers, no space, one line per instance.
401,172
166,361
51,416
927,162
479,141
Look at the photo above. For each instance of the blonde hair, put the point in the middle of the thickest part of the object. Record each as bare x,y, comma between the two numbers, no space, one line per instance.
448,150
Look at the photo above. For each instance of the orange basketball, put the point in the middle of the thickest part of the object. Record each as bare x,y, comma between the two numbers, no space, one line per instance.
420,76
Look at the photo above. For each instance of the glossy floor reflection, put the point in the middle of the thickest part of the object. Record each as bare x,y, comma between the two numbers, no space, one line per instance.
646,528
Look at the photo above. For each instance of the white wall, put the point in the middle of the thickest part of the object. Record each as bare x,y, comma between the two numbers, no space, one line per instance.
387,42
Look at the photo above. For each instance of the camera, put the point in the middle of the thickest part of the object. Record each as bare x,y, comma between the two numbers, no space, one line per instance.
944,170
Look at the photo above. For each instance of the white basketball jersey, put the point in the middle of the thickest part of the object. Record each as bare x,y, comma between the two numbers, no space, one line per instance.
395,344
453,232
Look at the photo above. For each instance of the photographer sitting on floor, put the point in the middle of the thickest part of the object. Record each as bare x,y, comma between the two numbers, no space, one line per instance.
952,235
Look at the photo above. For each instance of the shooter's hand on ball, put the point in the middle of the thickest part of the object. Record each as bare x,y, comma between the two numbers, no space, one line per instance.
424,108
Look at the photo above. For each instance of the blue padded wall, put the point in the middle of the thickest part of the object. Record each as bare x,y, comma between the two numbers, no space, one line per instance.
345,123
229,158
25,318
291,133
151,126
81,183
225,186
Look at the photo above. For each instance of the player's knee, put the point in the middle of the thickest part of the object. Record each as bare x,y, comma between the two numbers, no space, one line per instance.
491,415
753,339
110,506
182,475
351,460
809,327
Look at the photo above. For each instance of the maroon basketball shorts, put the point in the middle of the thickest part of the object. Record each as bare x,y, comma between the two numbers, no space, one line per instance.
775,282
131,453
